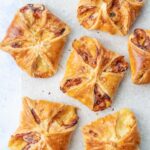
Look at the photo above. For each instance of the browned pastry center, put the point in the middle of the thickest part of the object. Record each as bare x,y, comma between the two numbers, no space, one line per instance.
114,16
35,39
93,73
44,126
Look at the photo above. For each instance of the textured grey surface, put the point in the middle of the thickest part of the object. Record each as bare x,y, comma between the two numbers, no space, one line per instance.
14,83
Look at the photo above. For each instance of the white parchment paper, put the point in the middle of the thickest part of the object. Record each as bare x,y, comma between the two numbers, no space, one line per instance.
129,95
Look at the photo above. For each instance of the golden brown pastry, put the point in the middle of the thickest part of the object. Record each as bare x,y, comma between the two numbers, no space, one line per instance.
93,73
35,39
44,126
113,16
139,52
117,131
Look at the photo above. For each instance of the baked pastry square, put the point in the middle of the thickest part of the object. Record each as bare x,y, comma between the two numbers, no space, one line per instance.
35,39
93,73
139,52
44,126
117,131
113,16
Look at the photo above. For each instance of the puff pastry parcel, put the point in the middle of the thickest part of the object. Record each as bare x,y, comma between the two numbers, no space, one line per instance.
44,126
118,131
113,16
35,39
139,52
93,73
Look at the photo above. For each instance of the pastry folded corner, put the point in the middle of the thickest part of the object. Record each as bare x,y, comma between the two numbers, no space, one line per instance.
113,16
35,39
118,131
44,125
139,54
93,73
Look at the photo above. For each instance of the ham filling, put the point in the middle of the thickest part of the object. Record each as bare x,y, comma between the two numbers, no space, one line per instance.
141,39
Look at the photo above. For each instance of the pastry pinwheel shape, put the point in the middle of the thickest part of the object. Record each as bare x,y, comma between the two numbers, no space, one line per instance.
35,39
113,16
139,52
117,131
93,73
44,126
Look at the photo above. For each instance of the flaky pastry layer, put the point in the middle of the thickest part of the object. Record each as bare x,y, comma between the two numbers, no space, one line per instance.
139,53
44,126
93,73
113,16
117,131
35,39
